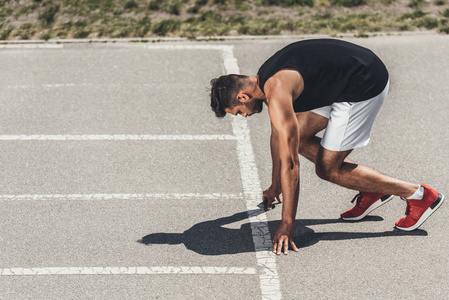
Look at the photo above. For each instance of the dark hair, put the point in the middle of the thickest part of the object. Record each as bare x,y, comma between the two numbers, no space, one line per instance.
224,92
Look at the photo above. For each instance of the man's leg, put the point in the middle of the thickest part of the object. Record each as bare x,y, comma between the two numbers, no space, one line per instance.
375,188
310,124
422,201
335,166
331,166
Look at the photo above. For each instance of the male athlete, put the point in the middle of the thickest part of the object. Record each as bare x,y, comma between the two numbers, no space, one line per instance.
309,86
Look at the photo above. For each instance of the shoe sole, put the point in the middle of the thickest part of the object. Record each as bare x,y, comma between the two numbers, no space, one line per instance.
377,204
435,205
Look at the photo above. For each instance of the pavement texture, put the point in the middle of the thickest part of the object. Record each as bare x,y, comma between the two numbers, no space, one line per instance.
118,182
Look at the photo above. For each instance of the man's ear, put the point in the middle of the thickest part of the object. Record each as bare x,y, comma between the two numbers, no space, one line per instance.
243,97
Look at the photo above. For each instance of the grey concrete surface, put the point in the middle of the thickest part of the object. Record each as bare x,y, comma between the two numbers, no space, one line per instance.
130,89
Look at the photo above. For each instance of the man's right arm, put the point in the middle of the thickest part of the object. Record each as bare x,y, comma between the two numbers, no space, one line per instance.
284,120
280,91
272,193
276,172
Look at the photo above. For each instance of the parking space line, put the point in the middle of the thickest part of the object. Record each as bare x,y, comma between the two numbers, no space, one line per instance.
56,85
126,271
31,46
117,137
266,259
220,48
102,197
65,85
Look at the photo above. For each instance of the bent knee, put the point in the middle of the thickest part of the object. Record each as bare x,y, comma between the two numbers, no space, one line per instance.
308,147
326,173
303,148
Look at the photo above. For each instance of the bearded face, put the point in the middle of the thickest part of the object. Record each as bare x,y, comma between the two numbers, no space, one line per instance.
255,106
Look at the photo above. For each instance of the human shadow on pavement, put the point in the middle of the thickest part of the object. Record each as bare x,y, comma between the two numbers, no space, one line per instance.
211,238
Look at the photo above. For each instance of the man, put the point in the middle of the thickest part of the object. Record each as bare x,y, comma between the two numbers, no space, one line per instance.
309,86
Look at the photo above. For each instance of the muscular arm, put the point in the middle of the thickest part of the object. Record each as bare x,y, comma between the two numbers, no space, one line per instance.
284,121
281,89
275,174
273,193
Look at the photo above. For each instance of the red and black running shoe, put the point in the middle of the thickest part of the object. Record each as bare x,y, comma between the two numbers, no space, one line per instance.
366,203
419,210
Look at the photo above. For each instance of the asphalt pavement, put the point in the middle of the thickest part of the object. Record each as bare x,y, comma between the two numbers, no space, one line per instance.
118,182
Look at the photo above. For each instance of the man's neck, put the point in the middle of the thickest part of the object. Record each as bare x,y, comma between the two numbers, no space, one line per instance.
258,94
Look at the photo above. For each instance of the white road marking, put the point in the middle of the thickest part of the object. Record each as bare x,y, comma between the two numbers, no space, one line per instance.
116,137
55,85
266,259
31,46
101,197
221,48
126,271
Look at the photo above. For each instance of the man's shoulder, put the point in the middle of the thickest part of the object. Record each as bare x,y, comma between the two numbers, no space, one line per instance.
285,81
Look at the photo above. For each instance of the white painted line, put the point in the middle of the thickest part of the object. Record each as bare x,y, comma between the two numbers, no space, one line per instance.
56,85
116,137
101,197
266,259
126,271
64,85
221,48
31,46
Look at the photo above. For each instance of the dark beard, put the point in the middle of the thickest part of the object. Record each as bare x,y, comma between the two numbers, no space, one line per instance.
255,107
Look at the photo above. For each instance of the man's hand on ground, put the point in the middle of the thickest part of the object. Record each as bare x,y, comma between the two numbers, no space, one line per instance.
269,196
284,236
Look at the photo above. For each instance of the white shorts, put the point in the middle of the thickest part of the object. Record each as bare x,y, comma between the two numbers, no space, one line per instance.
350,123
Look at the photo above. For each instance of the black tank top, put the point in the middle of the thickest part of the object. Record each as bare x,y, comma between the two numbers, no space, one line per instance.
333,71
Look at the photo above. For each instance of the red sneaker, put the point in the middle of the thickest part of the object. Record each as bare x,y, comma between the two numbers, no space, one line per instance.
366,203
419,210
